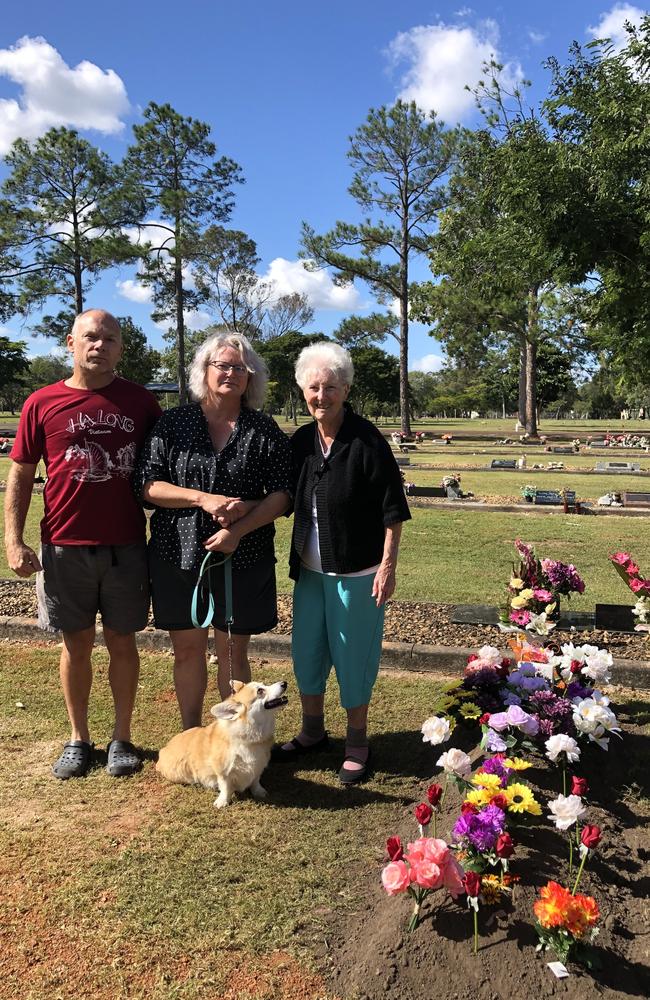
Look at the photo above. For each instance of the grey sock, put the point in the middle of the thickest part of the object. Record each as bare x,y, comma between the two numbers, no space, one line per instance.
356,737
313,727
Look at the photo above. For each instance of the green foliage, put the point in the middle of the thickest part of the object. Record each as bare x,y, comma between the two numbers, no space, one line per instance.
172,167
139,362
14,367
400,157
360,331
62,209
376,378
281,354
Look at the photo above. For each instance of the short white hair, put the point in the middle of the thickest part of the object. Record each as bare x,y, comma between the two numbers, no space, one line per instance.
253,397
324,356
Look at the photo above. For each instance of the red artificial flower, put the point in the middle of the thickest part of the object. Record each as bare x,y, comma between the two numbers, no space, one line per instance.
394,849
472,657
576,666
638,585
468,807
472,883
505,846
590,836
423,813
579,786
485,718
500,801
434,793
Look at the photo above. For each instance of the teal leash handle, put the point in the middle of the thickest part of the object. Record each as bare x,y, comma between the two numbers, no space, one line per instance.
226,562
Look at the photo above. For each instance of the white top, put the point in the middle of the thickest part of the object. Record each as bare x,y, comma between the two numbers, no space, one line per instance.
311,552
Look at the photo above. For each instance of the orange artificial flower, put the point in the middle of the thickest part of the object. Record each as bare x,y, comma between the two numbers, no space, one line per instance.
550,909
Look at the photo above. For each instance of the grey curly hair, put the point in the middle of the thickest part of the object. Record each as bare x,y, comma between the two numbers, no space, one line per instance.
253,397
328,356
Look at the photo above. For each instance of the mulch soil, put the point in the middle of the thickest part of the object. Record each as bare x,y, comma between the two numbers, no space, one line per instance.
369,954
406,621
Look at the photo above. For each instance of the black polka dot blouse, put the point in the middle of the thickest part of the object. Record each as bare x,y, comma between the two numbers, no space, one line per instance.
255,461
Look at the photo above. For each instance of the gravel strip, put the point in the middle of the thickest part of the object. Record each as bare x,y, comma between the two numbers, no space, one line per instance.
406,621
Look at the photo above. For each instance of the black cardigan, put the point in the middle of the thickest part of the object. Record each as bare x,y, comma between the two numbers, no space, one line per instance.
359,493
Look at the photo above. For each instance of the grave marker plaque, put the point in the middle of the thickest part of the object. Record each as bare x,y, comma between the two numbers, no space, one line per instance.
503,463
427,491
636,499
615,618
618,467
563,450
548,498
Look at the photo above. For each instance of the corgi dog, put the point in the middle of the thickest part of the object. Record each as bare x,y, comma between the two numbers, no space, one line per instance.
231,753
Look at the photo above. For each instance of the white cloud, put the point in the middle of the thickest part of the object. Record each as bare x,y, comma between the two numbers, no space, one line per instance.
53,94
429,363
291,276
441,60
154,231
537,37
612,21
195,319
134,290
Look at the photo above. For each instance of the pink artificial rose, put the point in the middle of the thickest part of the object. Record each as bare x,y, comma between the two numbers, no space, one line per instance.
632,569
638,585
437,851
395,878
542,595
622,558
453,878
427,875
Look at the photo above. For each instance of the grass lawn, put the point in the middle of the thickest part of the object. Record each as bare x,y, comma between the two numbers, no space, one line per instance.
463,556
141,889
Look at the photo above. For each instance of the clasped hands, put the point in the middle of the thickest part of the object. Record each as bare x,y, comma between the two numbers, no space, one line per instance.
226,511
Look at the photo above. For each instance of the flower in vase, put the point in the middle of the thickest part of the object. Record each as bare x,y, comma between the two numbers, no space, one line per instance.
567,810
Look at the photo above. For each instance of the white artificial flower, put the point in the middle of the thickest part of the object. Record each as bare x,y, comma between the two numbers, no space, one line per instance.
540,624
597,666
555,745
566,810
435,730
455,762
593,718
545,670
490,655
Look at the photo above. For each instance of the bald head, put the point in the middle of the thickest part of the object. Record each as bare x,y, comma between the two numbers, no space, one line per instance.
99,319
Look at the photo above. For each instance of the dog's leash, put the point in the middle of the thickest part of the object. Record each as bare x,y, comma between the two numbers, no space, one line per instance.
200,594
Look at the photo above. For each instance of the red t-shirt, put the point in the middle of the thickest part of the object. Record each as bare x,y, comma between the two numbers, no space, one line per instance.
88,439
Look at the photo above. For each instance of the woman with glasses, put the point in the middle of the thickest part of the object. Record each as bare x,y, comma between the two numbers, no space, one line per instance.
217,472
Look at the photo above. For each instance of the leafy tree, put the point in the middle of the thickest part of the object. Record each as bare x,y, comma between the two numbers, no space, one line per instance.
225,273
62,209
172,166
139,362
422,391
281,354
356,331
47,369
400,157
600,110
286,314
376,378
14,367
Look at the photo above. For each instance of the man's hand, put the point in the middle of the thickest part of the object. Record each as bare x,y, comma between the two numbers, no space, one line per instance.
22,560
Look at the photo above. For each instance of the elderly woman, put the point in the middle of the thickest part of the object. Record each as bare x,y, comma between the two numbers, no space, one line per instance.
217,472
349,508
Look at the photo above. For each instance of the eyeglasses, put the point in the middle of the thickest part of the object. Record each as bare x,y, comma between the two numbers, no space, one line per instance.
225,369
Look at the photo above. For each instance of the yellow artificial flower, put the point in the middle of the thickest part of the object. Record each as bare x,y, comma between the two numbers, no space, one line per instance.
519,602
479,797
550,608
516,764
520,799
516,583
492,888
489,781
527,594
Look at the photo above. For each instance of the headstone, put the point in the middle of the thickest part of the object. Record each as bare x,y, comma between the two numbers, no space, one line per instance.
484,614
407,447
503,463
618,467
597,444
547,498
615,618
563,450
636,499
402,459
427,491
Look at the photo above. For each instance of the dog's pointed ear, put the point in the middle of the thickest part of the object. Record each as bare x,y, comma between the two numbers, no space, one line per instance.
236,686
226,710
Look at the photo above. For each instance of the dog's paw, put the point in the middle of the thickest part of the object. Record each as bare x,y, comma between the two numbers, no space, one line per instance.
259,793
221,801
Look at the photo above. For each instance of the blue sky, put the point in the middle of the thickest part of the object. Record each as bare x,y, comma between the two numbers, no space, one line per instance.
283,87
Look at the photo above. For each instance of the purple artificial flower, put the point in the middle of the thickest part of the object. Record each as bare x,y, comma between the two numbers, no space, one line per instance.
577,690
494,743
495,765
515,716
555,713
462,826
510,698
481,829
499,721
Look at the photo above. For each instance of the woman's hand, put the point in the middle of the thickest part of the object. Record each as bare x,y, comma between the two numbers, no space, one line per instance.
224,540
216,505
383,586
236,509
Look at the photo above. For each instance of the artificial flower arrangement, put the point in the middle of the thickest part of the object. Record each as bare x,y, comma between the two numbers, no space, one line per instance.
534,590
425,866
639,585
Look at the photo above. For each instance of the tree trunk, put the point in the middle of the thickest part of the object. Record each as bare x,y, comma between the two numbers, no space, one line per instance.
78,283
404,328
180,328
530,422
523,347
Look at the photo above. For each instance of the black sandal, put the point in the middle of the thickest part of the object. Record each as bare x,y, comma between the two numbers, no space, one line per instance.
347,777
123,759
299,749
75,760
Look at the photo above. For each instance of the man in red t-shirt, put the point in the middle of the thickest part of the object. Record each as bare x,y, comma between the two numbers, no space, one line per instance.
87,430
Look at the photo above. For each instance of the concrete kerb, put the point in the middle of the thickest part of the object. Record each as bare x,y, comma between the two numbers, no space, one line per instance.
446,661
